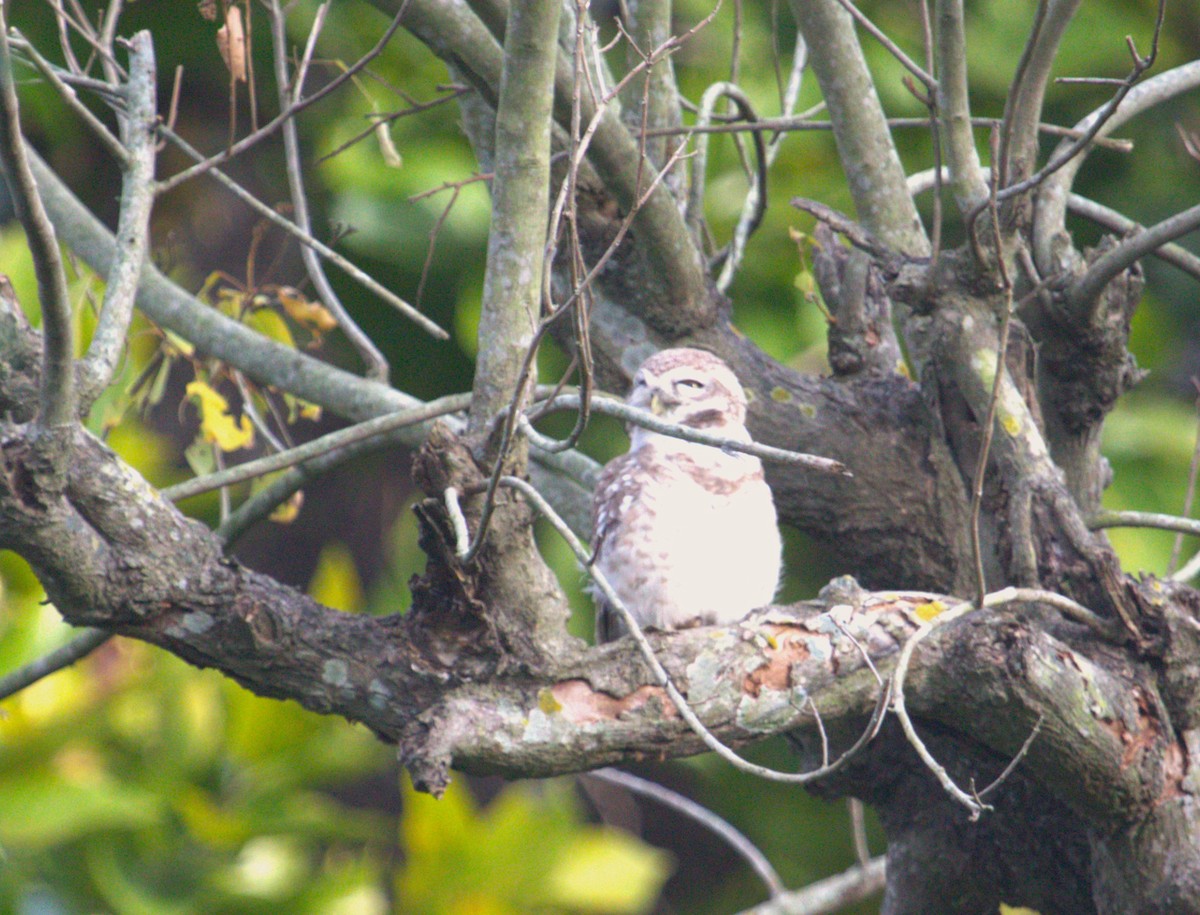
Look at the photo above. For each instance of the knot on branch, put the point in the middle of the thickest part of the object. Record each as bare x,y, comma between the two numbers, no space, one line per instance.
449,621
861,337
1086,349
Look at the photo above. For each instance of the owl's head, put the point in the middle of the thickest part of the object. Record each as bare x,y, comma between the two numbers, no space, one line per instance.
690,387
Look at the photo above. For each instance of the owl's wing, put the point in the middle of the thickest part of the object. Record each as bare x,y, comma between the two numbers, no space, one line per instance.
615,493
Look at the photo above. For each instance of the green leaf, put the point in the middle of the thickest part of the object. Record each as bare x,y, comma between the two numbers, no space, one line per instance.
40,809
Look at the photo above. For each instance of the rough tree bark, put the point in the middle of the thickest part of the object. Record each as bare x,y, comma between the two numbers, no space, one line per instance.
480,674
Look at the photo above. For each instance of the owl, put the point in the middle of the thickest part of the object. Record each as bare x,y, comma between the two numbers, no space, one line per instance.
685,533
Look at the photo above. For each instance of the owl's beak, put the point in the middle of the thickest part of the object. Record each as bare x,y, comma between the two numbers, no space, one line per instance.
657,407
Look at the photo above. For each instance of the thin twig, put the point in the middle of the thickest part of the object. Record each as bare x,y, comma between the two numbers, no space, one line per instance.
380,425
611,406
927,79
833,894
305,238
1144,519
996,599
999,371
1015,761
700,814
1190,493
204,164
1059,159
79,647
67,93
805,122
376,365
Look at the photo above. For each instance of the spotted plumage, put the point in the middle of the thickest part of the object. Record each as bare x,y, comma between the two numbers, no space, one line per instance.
684,532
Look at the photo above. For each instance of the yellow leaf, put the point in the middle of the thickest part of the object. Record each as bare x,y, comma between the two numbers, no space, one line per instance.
289,510
302,311
929,610
607,871
216,425
231,42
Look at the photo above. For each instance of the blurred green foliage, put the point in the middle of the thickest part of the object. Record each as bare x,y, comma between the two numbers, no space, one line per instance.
132,783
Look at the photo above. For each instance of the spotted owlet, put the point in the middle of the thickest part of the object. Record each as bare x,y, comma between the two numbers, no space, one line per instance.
685,532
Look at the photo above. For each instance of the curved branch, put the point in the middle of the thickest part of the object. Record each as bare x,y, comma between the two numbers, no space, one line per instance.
57,395
649,27
1086,289
1027,93
376,365
1051,201
1108,218
830,895
79,647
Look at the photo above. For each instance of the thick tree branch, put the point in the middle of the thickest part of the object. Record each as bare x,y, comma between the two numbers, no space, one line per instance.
1026,94
407,678
673,265
512,290
953,106
1086,290
865,146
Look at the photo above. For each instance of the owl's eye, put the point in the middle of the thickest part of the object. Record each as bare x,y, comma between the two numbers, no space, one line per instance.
693,383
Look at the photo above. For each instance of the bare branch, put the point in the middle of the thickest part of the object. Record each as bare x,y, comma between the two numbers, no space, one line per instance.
65,91
758,185
79,647
1085,290
1177,256
954,106
516,245
611,406
1162,522
1026,94
309,241
649,27
1141,98
57,396
1170,253
868,155
204,164
213,333
369,429
376,365
700,814
830,895
133,224
926,79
